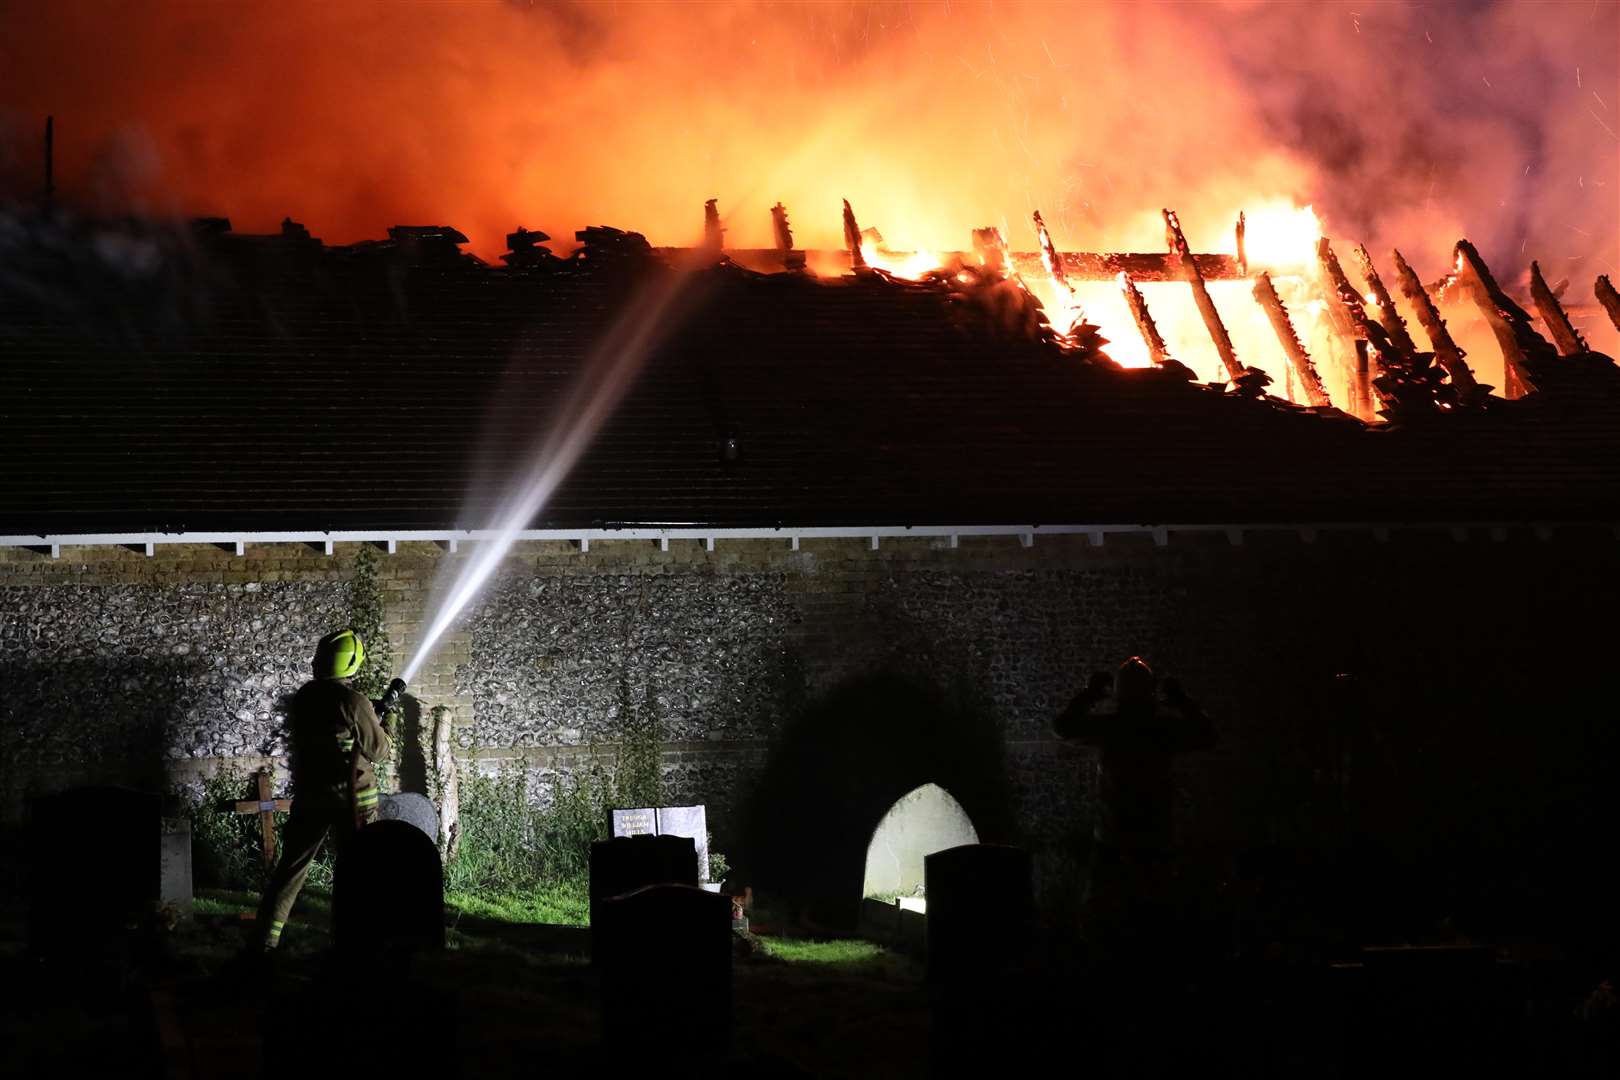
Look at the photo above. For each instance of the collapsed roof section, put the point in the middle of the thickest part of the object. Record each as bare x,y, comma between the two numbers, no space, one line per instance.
163,381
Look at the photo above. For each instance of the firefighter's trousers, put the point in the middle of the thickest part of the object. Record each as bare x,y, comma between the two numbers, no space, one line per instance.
308,824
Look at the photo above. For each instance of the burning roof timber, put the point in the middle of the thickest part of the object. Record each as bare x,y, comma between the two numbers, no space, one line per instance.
172,381
1377,357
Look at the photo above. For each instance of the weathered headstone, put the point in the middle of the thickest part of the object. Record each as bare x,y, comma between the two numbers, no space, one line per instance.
688,821
631,862
980,924
665,956
94,853
388,891
981,910
414,809
174,854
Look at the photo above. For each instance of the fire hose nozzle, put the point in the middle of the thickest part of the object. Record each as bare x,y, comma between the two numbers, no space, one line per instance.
390,698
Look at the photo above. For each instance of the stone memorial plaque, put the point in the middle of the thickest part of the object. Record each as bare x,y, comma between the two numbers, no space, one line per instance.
174,888
688,821
412,808
643,822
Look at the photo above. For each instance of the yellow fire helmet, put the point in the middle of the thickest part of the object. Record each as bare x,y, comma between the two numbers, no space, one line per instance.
339,655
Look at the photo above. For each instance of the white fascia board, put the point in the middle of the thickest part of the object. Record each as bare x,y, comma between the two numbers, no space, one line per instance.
707,534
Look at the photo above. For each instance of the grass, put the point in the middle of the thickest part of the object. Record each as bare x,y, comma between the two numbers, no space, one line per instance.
559,905
230,901
840,952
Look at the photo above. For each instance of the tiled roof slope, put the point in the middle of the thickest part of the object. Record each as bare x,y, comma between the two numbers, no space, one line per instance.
301,388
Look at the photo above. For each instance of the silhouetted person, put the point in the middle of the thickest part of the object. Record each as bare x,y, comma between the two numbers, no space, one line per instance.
1138,733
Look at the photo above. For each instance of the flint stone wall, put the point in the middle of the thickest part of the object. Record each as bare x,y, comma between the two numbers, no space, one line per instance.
116,666
155,673
568,661
157,670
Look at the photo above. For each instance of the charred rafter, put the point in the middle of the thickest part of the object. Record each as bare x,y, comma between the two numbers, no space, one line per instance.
1522,348
1610,299
1446,351
783,234
852,239
1388,317
1569,342
1299,360
1177,243
1050,260
714,234
1157,351
1350,318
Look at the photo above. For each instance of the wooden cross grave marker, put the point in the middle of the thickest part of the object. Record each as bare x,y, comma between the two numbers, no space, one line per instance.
265,807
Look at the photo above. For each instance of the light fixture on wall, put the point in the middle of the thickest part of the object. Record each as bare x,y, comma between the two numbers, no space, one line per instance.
730,446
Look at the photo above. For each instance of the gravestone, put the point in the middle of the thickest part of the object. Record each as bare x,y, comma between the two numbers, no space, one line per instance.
388,891
412,808
625,863
981,910
665,956
688,821
981,914
94,855
174,855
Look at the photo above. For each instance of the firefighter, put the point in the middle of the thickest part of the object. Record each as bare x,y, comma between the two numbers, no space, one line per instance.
336,737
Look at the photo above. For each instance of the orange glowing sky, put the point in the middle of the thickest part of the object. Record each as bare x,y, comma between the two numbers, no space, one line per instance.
1409,124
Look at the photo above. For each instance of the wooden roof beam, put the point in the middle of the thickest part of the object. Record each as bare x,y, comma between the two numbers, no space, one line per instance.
852,239
783,233
1446,351
1553,315
1177,242
1352,320
1299,360
1521,345
1157,351
1388,317
1608,298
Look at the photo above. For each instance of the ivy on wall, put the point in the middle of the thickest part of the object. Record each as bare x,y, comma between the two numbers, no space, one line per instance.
366,617
638,778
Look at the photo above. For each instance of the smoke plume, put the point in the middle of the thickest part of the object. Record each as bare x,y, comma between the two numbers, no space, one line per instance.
1403,123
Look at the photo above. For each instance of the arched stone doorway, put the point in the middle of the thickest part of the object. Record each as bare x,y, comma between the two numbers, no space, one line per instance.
838,769
924,820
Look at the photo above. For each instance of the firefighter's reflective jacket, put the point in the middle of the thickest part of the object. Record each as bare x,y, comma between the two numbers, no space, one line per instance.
336,738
